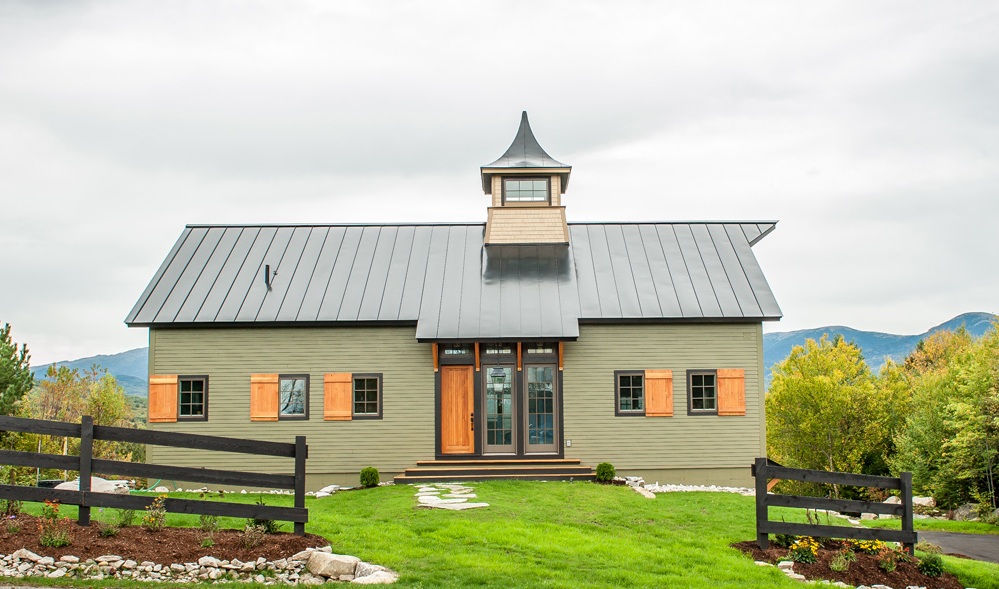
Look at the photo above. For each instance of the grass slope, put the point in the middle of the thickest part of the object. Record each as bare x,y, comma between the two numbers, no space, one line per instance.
550,535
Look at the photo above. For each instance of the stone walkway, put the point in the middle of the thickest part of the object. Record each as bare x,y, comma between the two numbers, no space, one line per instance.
450,496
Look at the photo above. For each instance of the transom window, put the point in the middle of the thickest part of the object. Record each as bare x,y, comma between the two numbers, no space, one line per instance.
193,397
497,349
456,350
538,348
703,392
367,395
293,400
525,189
630,389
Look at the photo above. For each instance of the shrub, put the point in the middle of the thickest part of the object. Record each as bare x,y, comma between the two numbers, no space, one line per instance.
887,559
268,526
931,565
928,547
155,515
124,518
804,550
783,540
841,562
369,477
605,472
52,532
207,542
208,523
253,535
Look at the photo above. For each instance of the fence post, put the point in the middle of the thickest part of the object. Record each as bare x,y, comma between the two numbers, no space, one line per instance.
301,453
86,456
761,503
905,479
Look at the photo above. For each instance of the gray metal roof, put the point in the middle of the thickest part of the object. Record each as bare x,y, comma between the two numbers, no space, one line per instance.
444,280
525,151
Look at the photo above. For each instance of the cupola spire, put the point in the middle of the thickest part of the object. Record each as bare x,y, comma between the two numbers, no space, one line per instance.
526,185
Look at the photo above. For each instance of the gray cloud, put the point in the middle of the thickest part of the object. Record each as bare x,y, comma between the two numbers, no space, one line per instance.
868,130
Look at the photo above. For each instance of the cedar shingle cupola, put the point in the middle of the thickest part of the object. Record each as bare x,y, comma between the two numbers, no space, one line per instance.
527,186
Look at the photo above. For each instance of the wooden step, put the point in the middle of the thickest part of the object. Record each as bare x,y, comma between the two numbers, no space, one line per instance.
549,469
406,479
569,461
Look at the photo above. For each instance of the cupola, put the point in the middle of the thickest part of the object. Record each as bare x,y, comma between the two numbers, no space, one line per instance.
526,185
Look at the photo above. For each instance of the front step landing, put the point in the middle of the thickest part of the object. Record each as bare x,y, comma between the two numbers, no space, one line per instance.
549,469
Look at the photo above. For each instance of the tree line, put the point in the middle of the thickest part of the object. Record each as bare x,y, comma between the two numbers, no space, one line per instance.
936,415
64,395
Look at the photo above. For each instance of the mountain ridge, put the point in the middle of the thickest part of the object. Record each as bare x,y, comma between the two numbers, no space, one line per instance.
130,367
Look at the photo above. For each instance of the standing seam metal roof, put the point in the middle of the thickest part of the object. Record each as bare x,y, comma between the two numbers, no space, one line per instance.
444,280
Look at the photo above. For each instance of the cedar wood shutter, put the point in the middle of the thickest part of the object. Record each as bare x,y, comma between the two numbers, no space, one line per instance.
337,396
659,393
264,397
731,391
162,398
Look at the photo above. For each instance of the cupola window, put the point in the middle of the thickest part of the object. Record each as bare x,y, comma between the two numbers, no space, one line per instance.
525,189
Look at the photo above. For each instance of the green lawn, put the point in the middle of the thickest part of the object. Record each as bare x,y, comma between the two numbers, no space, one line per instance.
936,525
553,535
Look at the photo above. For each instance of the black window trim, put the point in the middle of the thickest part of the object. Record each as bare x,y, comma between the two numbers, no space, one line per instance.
204,399
307,388
381,383
548,190
690,404
617,393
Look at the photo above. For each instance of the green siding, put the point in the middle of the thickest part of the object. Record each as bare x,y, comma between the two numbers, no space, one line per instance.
721,448
661,443
229,356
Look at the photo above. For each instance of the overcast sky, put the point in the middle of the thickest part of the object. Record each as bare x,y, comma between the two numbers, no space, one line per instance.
870,130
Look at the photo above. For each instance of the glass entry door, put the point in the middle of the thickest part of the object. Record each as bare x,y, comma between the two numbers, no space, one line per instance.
499,407
540,415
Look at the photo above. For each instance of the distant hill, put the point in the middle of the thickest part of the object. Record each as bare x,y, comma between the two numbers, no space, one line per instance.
876,346
130,368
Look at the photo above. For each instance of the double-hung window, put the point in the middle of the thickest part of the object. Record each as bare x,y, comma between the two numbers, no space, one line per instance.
367,396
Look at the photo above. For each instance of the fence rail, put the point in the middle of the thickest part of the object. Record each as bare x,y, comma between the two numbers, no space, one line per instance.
763,470
86,464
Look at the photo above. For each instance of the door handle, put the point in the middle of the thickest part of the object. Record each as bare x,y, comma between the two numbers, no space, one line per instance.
472,418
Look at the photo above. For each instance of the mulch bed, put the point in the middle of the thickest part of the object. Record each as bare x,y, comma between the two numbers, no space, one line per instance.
864,571
166,546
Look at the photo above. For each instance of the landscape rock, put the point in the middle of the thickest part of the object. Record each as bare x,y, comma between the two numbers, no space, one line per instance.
377,578
363,569
161,489
966,513
644,492
893,500
25,554
331,565
924,501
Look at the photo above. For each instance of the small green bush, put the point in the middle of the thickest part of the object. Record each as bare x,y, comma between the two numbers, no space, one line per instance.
840,563
369,477
931,565
605,472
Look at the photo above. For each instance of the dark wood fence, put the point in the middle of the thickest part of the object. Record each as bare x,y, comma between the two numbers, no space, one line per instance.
764,470
87,465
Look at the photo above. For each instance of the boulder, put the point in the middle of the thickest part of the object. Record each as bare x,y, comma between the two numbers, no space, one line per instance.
331,565
966,513
25,554
924,501
893,500
97,485
363,569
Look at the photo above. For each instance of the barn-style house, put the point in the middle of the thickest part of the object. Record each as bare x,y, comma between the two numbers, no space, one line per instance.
524,346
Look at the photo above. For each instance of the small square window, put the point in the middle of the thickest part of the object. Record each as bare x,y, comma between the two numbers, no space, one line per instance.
293,399
702,392
193,398
367,396
629,388
525,189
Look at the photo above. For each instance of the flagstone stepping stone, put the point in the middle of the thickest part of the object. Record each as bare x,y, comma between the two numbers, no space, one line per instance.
458,496
454,498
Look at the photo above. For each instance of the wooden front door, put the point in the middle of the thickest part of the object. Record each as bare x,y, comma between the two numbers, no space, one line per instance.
457,393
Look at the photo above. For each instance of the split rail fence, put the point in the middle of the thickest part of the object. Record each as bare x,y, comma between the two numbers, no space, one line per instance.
87,465
763,470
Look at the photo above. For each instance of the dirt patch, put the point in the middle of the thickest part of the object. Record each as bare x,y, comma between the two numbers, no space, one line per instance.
864,571
166,546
